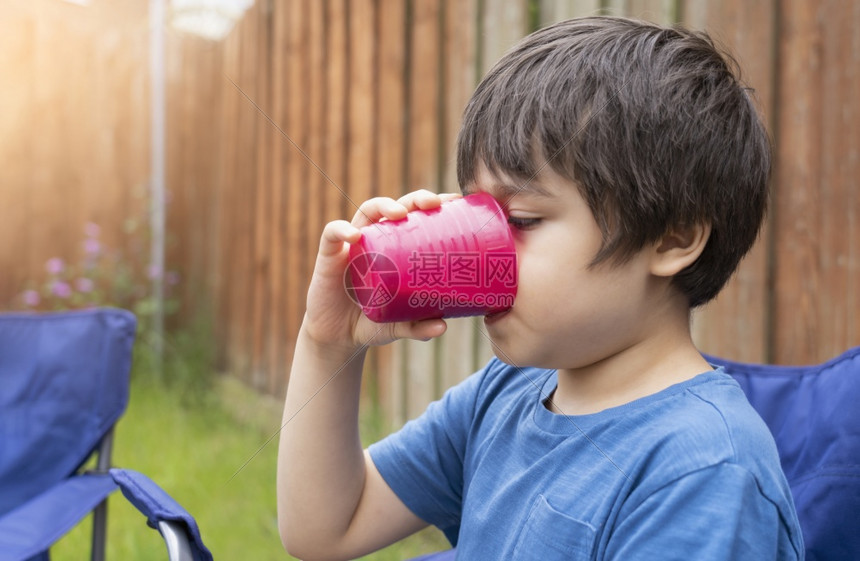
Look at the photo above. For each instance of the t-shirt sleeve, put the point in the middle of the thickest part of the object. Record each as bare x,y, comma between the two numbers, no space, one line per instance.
716,513
423,461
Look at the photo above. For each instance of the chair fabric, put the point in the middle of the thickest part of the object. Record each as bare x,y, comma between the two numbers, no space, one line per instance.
813,414
158,506
27,531
64,382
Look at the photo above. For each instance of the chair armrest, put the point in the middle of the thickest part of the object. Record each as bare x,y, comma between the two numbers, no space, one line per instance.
180,530
34,526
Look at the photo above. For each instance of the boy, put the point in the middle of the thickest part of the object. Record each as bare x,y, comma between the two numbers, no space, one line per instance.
633,169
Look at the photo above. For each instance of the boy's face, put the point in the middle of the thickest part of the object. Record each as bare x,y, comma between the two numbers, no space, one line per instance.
566,313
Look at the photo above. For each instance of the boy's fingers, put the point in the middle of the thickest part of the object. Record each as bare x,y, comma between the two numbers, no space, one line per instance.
420,199
377,208
335,234
372,210
423,330
384,333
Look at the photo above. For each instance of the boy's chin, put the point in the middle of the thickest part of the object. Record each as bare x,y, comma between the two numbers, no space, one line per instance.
511,357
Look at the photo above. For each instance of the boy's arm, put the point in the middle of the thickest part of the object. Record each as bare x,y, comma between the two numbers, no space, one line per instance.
332,502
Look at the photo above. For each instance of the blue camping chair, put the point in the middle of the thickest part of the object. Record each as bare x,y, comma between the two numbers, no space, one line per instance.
813,413
64,383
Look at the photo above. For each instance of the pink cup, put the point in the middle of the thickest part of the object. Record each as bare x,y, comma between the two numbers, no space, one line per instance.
453,261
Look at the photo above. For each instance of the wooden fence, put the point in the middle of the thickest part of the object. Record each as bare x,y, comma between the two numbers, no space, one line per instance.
309,108
74,130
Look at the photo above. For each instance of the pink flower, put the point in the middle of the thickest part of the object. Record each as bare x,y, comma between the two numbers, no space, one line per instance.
153,272
55,266
85,285
61,289
92,247
31,298
172,278
92,229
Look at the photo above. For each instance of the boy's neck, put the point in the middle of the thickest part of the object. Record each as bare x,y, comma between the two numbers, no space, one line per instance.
660,359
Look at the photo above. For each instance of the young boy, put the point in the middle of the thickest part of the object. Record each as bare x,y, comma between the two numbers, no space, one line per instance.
633,168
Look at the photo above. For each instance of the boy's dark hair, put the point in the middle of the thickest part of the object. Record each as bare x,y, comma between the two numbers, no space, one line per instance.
652,124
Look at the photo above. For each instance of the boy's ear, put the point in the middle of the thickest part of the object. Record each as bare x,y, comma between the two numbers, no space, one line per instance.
678,249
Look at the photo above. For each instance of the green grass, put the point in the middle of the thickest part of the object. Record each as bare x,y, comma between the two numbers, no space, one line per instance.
205,442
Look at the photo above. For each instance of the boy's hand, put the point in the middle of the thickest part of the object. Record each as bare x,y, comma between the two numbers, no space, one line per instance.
332,318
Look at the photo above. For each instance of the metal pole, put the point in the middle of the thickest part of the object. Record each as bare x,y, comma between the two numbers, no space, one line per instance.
157,215
103,464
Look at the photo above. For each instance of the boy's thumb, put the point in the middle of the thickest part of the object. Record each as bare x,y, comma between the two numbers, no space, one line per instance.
423,330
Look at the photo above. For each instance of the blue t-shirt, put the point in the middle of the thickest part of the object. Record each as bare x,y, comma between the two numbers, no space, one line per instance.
688,473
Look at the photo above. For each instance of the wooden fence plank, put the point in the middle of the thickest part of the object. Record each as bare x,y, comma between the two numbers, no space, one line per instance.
361,104
835,246
658,11
181,85
552,11
226,328
296,258
798,171
246,182
262,196
277,336
198,281
315,108
850,259
337,97
18,75
615,7
502,23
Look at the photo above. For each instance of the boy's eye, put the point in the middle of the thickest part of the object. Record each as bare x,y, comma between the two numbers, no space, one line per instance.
523,223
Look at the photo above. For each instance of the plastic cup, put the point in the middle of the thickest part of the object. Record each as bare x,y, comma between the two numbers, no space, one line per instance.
456,260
